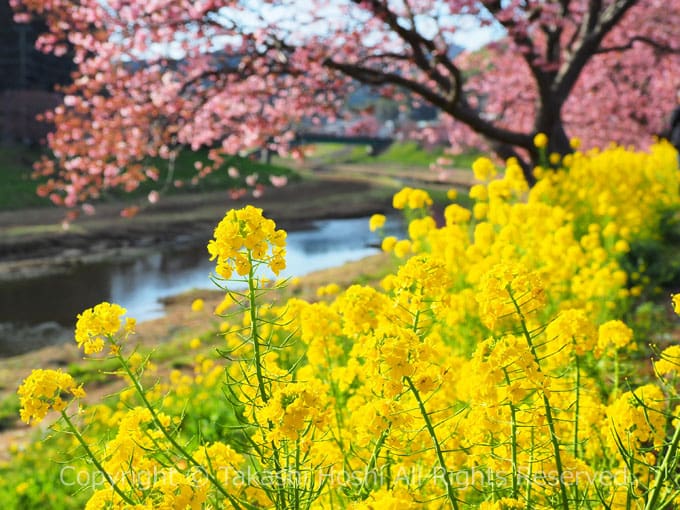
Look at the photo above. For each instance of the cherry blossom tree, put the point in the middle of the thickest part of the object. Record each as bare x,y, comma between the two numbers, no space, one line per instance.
157,75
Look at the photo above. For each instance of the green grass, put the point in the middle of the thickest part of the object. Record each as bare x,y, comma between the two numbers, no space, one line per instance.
408,153
219,179
322,150
402,154
9,411
18,189
405,153
440,199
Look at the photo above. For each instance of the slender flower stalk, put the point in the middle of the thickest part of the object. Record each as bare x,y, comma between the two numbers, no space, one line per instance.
450,492
554,440
93,458
663,472
254,334
167,434
513,441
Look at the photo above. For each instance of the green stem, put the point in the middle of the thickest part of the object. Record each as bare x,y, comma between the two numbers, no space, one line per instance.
373,460
513,443
296,503
156,420
546,405
530,474
254,334
577,406
667,466
255,337
616,373
437,447
94,460
576,413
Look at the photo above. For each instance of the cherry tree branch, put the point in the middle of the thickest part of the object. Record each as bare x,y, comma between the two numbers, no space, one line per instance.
663,48
596,25
418,44
458,109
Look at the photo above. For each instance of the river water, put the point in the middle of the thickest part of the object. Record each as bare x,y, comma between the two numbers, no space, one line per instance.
35,312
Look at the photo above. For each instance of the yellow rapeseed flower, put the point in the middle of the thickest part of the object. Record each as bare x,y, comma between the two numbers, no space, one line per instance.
377,221
505,287
637,417
399,497
480,210
622,246
245,235
400,199
98,324
402,248
418,199
670,360
219,457
479,192
502,504
541,140
484,169
410,198
614,333
328,290
43,390
388,243
197,305
456,214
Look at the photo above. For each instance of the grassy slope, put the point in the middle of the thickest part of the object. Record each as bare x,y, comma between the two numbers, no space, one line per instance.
400,153
17,188
217,180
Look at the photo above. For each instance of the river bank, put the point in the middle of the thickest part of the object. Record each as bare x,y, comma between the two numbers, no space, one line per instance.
34,243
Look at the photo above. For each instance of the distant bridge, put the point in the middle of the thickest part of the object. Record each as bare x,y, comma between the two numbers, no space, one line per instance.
377,144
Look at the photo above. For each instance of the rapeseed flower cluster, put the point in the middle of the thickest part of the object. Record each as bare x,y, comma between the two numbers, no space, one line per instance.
410,198
489,370
616,178
98,325
244,237
45,390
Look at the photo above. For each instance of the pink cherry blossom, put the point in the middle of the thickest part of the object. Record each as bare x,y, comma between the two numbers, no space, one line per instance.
157,76
278,181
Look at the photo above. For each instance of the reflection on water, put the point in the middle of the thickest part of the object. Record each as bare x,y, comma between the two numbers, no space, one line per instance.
138,285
